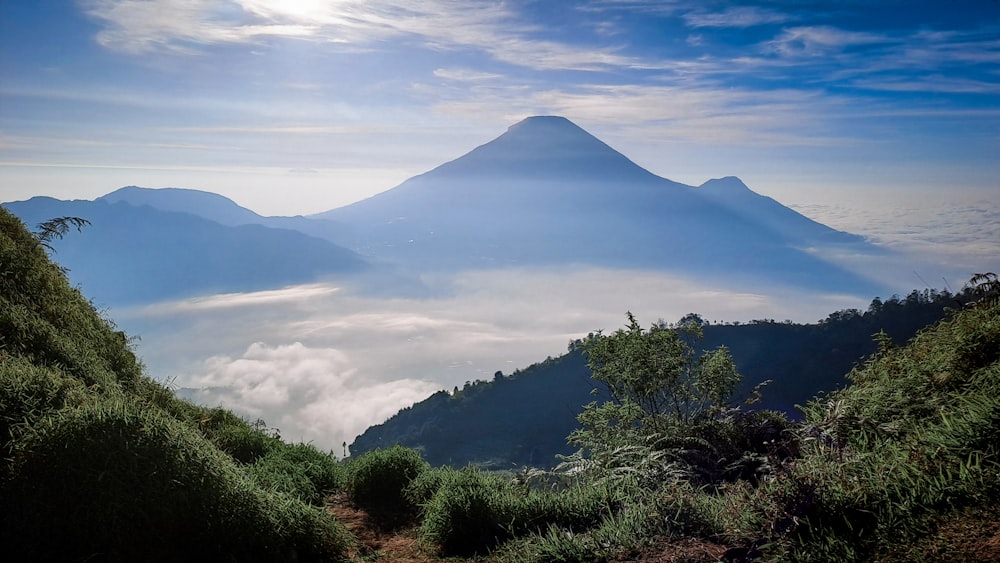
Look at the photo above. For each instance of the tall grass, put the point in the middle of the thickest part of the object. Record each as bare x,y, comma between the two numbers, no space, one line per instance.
101,463
128,483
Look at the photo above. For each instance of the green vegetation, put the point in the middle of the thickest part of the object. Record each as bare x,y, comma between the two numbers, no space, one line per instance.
102,463
903,456
378,482
523,418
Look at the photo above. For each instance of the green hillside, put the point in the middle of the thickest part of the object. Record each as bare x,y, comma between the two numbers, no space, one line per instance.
522,419
102,463
903,464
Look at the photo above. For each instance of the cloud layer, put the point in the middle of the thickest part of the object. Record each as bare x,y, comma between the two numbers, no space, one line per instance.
322,363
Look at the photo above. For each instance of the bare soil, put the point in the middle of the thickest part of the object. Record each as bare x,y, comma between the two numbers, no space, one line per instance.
378,543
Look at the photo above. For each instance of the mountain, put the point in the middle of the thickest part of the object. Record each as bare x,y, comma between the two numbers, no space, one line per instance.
544,193
220,209
524,418
733,194
206,205
139,254
548,192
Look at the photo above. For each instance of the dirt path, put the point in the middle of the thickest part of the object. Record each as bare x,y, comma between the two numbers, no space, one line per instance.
402,546
377,544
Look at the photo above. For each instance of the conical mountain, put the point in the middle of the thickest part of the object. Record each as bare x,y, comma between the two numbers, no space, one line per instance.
732,193
547,192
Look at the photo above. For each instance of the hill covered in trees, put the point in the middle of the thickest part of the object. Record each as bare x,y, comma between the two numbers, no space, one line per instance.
523,418
901,464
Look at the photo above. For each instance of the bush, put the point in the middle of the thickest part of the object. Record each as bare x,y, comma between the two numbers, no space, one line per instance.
299,470
471,514
124,483
424,486
379,478
235,436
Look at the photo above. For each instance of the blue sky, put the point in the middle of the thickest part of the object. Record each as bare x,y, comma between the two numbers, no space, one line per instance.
301,106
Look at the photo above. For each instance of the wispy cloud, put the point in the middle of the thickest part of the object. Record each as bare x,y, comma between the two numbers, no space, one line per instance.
140,26
465,74
931,83
737,17
286,295
700,113
815,41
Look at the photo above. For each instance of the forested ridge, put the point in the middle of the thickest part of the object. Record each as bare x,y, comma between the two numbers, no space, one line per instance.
523,418
100,462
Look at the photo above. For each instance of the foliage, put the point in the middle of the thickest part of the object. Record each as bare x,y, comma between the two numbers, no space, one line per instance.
244,442
473,511
524,417
299,470
670,417
77,476
378,480
57,228
985,289
916,434
658,371
100,462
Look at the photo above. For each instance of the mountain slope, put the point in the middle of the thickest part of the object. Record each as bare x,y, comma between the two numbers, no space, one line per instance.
219,209
733,194
132,254
548,192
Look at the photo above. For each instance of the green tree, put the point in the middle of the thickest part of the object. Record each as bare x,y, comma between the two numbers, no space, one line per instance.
658,384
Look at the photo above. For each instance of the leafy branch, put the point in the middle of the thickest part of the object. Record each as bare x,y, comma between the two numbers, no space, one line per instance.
57,228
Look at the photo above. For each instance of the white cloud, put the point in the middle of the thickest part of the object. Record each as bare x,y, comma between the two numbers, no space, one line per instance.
465,75
944,234
141,26
693,112
324,365
814,41
309,394
288,295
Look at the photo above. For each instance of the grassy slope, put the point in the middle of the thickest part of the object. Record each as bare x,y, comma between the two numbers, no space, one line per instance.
902,465
100,462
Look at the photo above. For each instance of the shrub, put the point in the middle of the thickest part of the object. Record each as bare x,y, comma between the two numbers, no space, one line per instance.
299,470
471,514
426,484
235,436
379,478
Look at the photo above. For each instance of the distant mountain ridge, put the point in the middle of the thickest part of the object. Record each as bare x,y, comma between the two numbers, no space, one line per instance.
132,254
545,193
206,205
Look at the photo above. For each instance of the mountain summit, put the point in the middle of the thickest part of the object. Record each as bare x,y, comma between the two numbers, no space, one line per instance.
546,147
548,192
